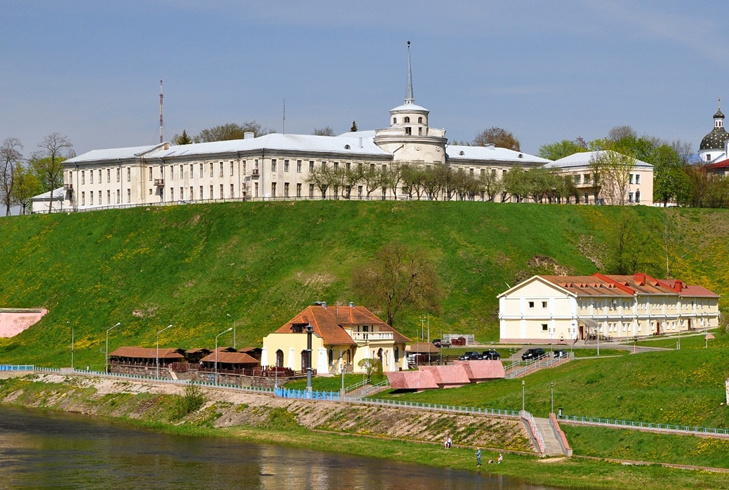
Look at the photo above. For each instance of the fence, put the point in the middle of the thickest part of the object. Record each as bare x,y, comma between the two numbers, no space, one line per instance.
518,369
647,426
307,395
16,367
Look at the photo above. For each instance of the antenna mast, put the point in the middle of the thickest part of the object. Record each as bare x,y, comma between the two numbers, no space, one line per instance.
161,113
284,118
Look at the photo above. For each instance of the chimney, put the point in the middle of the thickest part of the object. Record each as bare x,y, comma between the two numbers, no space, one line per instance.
324,304
351,304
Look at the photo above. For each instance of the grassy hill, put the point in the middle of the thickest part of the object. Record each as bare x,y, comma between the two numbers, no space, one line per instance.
192,266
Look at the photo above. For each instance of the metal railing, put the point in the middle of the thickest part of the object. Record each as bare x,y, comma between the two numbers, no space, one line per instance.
513,370
434,407
529,419
307,395
649,426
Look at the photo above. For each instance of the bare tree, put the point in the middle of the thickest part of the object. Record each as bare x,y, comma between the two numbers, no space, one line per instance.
48,163
322,177
327,131
612,172
10,156
231,131
498,137
398,277
618,133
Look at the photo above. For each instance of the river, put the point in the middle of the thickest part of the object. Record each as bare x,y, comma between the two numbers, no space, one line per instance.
66,451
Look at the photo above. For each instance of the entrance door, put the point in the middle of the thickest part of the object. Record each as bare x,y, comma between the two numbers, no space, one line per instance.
582,332
279,358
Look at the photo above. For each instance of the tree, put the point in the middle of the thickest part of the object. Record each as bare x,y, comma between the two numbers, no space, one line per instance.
612,171
670,181
10,157
231,131
370,366
48,163
322,177
326,131
25,186
618,133
182,139
398,277
354,127
561,149
498,137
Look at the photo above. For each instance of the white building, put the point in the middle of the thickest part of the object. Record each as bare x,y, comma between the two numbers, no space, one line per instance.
553,309
713,147
638,186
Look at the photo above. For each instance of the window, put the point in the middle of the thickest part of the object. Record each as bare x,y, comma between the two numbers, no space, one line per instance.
394,120
273,189
545,327
150,174
576,179
211,190
99,178
273,165
298,166
129,195
637,178
232,190
129,174
637,196
531,304
201,171
83,197
408,130
192,171
311,166
108,197
286,189
359,191
630,197
544,304
118,175
420,131
311,190
286,165
118,197
211,169
83,176
182,173
192,194
336,165
172,194
221,191
586,178
255,189
323,164
150,191
407,119
108,175
91,177
201,193
232,168
221,169
348,166
182,193
100,202
298,190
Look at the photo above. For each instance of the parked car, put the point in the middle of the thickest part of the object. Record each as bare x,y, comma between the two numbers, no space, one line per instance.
533,354
470,356
441,343
561,354
491,355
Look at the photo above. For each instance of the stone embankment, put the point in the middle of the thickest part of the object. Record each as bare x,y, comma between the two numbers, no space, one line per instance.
154,402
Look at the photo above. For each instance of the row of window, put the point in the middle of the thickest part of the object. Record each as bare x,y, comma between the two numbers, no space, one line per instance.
99,200
100,175
200,195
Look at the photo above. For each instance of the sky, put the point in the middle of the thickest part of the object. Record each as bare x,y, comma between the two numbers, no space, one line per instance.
546,71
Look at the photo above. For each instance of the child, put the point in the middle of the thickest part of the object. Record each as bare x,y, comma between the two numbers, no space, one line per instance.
501,458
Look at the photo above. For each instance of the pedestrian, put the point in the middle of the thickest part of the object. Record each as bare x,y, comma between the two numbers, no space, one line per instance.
478,456
445,443
449,442
501,458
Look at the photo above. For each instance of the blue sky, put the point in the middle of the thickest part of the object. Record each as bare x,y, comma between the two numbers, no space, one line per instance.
544,70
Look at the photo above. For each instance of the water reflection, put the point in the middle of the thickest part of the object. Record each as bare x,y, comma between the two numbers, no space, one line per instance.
47,450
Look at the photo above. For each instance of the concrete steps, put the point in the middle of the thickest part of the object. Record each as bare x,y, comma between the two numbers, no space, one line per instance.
551,443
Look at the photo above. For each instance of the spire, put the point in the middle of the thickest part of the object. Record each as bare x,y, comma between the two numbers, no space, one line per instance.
409,99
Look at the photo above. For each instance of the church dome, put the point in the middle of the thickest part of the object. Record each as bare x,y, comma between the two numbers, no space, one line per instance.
715,139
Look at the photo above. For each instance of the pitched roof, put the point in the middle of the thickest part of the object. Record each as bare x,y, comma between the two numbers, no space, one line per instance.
625,285
147,353
328,323
585,159
230,358
491,153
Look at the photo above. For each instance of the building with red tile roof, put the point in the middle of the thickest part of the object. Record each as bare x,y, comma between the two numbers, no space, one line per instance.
341,337
558,309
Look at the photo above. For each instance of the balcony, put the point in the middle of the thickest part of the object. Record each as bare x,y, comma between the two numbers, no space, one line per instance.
255,172
367,336
159,182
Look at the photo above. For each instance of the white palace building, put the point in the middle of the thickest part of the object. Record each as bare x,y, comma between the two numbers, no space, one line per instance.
273,166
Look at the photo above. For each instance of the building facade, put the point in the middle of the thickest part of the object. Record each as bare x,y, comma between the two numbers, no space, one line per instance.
556,309
342,336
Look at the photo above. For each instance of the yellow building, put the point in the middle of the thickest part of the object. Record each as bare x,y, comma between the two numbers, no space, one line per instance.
341,337
546,309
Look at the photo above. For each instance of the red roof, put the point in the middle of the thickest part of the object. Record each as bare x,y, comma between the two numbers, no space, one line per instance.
230,358
625,285
721,164
328,323
147,353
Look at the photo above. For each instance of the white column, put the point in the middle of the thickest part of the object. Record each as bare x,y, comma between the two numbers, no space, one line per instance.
322,365
264,357
291,358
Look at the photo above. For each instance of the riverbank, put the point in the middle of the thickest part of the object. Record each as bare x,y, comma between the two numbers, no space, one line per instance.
328,426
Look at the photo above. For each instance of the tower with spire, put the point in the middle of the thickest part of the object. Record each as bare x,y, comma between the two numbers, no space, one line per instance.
409,137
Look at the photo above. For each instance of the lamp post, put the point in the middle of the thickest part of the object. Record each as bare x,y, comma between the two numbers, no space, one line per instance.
344,369
309,331
552,383
231,319
72,332
522,395
216,352
157,358
106,366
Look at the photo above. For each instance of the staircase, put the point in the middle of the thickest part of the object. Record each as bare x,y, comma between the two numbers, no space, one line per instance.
551,443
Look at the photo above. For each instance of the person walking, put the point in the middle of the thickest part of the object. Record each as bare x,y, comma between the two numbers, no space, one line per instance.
478,456
449,442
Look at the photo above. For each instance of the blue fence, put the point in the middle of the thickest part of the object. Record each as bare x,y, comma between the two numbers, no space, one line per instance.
16,367
307,395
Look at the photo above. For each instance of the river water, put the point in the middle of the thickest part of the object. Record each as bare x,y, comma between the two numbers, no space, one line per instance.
66,451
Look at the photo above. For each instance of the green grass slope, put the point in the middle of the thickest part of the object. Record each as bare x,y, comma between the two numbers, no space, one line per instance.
192,266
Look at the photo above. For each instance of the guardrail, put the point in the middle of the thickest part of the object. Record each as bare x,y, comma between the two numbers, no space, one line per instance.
631,424
534,431
16,367
513,371
307,395
434,406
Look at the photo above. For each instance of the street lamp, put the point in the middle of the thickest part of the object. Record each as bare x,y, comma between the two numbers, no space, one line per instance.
522,394
106,366
552,383
157,358
216,353
72,332
309,331
231,319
